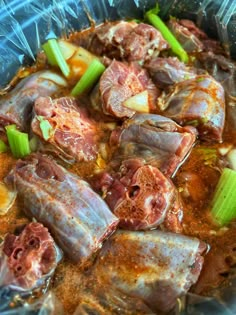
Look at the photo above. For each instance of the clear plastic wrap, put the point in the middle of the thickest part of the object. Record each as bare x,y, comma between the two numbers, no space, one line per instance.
47,305
220,18
222,302
25,25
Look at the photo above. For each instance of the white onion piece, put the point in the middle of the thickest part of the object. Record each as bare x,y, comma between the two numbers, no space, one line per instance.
103,150
225,149
110,126
77,57
34,143
54,77
100,164
138,102
231,156
7,198
67,49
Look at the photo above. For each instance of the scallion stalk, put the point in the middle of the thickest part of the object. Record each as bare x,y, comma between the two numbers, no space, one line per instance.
45,127
89,78
18,141
152,17
3,146
224,200
55,57
33,143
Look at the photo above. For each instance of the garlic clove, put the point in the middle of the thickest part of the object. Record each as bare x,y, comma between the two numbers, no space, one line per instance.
7,198
138,102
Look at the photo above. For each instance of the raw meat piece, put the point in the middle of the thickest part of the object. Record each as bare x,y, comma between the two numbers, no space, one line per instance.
158,140
121,81
16,106
168,71
73,134
199,101
125,40
28,260
76,216
148,270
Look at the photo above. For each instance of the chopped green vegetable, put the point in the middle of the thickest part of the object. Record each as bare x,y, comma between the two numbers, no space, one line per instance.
18,141
55,57
34,142
200,79
224,200
194,122
135,21
3,146
207,155
152,17
89,78
204,120
46,128
187,77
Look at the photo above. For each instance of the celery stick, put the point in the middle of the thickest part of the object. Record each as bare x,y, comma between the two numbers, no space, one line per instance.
89,78
3,146
55,57
18,141
224,200
152,17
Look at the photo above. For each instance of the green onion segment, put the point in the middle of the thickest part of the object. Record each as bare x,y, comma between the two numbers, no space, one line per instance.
18,141
152,17
3,146
33,143
55,57
45,127
224,200
89,78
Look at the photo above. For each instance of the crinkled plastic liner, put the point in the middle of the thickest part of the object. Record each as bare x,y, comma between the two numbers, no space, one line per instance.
223,304
25,25
47,305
